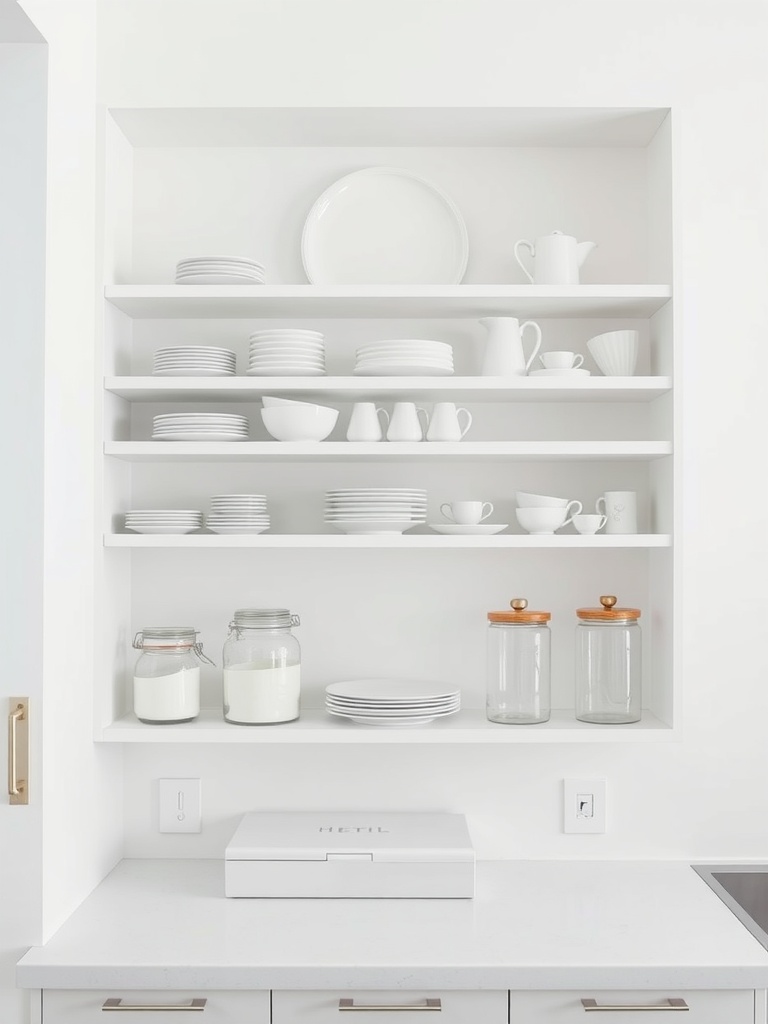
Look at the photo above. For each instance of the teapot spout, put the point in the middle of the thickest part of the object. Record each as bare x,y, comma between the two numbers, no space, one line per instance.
583,249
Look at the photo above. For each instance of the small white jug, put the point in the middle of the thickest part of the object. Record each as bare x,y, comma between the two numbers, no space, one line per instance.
504,356
444,424
404,424
364,422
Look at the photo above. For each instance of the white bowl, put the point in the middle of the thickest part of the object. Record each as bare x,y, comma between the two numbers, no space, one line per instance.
300,422
615,352
269,402
525,500
540,520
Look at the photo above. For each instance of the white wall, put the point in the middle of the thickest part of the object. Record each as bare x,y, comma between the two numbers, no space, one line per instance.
705,796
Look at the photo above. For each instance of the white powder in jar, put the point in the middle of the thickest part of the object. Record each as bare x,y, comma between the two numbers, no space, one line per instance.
261,695
166,699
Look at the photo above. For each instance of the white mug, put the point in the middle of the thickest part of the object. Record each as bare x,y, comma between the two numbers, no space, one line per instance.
466,513
444,424
404,423
620,509
561,360
588,524
364,422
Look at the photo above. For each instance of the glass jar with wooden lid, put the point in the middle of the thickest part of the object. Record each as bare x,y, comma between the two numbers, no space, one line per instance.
518,665
608,664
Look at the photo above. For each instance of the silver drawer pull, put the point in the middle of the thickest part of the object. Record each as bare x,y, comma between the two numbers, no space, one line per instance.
428,1004
118,1004
668,1004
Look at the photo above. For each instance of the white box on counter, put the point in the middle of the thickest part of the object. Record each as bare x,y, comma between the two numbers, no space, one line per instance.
353,855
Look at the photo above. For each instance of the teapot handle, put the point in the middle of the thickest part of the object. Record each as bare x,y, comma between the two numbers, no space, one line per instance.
531,250
537,346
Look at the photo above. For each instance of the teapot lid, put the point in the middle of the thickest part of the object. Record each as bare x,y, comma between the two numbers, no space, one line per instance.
519,615
608,612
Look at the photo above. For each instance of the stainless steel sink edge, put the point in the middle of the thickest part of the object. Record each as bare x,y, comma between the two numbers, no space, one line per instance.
740,910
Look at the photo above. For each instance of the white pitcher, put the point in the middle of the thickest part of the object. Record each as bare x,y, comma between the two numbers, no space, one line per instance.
504,356
404,423
445,425
364,424
556,258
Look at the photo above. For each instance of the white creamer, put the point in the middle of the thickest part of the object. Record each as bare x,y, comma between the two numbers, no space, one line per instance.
257,694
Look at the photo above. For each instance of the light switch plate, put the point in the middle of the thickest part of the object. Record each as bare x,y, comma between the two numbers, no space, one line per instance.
584,805
179,803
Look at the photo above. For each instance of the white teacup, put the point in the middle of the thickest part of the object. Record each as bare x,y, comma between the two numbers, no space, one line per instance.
466,513
546,520
526,500
589,523
561,360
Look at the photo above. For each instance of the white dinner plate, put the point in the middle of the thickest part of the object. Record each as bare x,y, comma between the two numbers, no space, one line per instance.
285,332
398,722
391,689
407,344
164,529
285,371
199,417
403,370
204,435
382,225
225,530
390,707
477,529
207,258
202,350
192,371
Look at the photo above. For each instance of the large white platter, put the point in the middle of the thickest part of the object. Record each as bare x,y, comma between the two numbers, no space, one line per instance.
383,226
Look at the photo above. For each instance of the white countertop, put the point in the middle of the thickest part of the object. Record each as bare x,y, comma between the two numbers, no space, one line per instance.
165,924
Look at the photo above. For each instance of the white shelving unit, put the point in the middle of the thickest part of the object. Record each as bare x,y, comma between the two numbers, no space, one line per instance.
428,593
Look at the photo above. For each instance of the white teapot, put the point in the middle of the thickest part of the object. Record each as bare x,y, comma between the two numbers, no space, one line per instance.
556,258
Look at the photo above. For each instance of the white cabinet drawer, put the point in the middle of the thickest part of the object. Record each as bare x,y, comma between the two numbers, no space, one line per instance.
709,1007
451,1008
76,1007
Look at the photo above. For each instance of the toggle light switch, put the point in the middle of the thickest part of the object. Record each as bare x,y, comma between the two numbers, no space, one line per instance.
179,802
584,805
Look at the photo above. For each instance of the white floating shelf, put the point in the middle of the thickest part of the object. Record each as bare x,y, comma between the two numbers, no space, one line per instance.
333,451
407,541
347,389
316,726
298,302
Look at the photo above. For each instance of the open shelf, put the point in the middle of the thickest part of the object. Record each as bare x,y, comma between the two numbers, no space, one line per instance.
389,451
345,389
204,541
316,726
159,301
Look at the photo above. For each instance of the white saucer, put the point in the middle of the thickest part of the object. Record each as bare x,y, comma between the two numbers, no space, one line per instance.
573,372
479,529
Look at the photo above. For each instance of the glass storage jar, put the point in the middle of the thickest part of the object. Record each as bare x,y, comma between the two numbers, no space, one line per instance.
518,665
608,664
166,679
262,667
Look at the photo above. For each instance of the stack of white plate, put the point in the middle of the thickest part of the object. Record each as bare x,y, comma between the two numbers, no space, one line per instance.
288,351
395,702
154,520
199,426
375,509
405,357
219,270
238,513
194,361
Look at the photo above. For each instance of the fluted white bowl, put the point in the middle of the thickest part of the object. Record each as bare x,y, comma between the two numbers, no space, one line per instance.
615,352
299,423
526,500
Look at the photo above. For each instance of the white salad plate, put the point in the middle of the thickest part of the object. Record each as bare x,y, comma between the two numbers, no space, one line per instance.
200,417
203,435
280,360
572,372
441,348
285,332
382,225
229,270
211,364
476,529
403,370
168,530
286,345
396,722
192,371
402,690
390,707
218,279
291,370
195,350
227,530
207,258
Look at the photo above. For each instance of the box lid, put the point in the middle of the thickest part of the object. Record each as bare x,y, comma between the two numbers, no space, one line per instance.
339,835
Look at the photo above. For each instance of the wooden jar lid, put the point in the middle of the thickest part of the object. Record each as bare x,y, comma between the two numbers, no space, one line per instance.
608,612
519,614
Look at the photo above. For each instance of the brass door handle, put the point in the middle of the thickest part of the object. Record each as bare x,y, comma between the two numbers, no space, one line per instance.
118,1004
668,1004
428,1004
18,750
